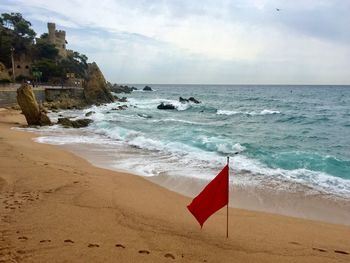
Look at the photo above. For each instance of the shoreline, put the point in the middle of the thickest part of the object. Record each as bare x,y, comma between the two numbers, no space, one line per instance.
61,207
314,206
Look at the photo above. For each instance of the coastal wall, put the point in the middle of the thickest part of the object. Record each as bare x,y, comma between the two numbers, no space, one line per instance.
55,94
9,97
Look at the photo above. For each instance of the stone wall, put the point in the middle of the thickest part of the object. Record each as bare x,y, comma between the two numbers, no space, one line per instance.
8,94
4,75
56,94
8,97
23,65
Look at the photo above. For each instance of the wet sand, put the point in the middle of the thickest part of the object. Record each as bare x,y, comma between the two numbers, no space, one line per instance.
57,207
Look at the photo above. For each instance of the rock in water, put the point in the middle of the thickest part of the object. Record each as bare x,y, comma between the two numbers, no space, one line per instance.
30,108
194,100
190,99
147,88
120,88
67,123
89,113
95,86
163,106
182,100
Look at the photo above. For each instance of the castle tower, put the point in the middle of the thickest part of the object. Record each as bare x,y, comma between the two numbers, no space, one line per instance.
52,29
58,38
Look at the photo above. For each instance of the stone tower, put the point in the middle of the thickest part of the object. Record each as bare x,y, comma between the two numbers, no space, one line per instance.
58,38
52,30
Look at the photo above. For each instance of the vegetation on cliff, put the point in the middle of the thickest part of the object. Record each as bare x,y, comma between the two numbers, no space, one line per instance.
16,32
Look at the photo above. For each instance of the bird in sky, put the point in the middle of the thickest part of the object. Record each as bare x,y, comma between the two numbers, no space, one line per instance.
277,9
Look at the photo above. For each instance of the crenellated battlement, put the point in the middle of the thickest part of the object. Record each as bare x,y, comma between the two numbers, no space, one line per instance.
58,38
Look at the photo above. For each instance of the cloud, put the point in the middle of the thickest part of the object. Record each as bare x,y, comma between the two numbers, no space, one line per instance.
241,41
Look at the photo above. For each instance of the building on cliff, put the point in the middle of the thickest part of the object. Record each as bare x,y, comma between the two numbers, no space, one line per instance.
58,38
23,62
23,66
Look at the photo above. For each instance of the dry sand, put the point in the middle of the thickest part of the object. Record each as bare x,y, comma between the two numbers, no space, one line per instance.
56,207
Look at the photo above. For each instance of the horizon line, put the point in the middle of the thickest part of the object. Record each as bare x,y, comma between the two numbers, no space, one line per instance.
213,84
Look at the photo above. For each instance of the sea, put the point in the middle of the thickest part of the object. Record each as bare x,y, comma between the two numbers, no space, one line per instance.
280,138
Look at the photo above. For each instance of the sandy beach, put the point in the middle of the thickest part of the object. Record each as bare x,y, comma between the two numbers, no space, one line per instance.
57,207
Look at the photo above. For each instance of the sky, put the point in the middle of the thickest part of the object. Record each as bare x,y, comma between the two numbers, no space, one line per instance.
203,41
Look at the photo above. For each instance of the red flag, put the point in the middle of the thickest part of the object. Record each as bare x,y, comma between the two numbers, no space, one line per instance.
213,197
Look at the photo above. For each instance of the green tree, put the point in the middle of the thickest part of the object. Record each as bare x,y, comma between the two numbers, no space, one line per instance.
49,69
74,63
20,26
45,50
15,32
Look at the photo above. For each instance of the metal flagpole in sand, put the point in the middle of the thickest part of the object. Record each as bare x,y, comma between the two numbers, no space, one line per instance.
228,193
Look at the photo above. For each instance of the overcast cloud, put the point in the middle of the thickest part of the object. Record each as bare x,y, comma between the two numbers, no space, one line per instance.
207,41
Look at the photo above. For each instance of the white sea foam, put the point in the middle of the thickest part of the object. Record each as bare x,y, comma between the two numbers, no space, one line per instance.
266,112
227,112
177,120
174,155
250,113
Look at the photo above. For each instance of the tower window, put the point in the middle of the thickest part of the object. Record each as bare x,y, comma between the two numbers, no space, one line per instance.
18,66
27,67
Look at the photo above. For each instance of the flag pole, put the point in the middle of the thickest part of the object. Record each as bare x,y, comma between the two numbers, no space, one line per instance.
228,194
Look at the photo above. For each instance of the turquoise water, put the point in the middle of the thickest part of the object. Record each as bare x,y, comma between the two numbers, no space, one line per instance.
285,134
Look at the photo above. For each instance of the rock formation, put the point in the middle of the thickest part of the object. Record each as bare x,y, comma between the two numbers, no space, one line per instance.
194,100
190,99
147,88
30,108
120,88
67,123
89,113
163,106
95,86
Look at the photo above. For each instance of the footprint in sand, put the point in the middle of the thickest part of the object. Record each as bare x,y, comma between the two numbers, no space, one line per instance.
23,238
168,255
69,241
319,249
93,245
341,252
144,252
120,245
45,241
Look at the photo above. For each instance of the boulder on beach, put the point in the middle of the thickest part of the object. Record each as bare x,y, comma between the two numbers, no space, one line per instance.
147,88
163,106
95,86
34,114
67,123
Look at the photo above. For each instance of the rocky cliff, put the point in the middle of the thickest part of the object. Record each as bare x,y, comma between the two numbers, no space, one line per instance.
95,86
